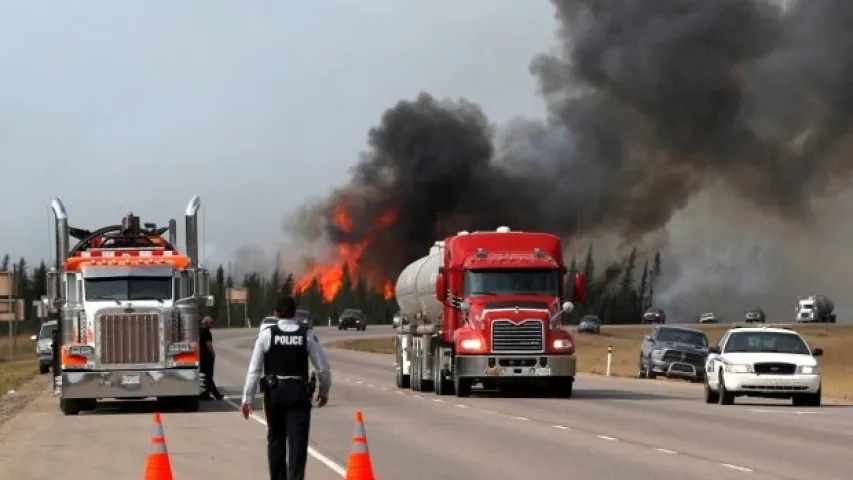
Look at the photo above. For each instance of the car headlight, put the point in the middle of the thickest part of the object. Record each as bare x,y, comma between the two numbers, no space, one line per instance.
657,354
808,369
471,344
739,368
562,344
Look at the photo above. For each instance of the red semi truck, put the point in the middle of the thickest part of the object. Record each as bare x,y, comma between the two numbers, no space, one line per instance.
485,308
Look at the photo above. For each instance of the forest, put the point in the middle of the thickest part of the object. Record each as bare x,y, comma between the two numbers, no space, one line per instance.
617,293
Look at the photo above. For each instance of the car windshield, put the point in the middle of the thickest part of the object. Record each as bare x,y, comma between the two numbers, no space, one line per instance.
351,313
129,288
774,342
512,281
589,320
46,331
673,335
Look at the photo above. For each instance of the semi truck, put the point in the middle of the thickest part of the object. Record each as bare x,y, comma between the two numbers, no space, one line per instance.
128,306
484,308
815,309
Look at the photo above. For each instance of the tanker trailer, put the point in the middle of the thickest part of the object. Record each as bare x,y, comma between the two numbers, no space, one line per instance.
484,308
815,309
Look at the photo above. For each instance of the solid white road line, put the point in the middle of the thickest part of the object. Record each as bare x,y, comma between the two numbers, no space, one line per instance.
328,462
736,467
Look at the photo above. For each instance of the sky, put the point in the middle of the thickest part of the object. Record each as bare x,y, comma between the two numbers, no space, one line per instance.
254,106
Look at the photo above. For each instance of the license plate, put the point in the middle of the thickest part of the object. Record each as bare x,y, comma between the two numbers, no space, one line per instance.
130,380
493,372
543,372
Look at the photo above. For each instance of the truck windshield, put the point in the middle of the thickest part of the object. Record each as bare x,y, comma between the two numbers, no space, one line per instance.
129,288
514,281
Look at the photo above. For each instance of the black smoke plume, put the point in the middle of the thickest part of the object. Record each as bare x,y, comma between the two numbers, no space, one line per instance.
650,103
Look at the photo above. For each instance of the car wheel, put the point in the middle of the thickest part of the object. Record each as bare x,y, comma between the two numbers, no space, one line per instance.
44,368
462,386
813,399
710,395
649,372
724,396
641,372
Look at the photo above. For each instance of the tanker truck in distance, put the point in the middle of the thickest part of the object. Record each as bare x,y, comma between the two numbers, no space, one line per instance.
484,308
128,304
815,309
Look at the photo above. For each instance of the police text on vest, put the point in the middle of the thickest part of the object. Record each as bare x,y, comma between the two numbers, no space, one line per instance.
288,340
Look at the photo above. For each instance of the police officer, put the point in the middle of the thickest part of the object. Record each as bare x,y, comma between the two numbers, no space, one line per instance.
283,350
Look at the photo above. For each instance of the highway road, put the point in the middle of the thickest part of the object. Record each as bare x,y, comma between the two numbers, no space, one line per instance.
613,428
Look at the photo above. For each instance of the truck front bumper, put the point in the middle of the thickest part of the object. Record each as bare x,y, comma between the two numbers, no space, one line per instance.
131,383
515,366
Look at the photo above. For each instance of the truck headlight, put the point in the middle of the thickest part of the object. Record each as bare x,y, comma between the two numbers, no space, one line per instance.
739,368
808,369
175,348
562,344
471,344
81,350
657,354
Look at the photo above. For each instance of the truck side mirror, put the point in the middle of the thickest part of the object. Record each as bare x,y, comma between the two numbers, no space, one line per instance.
440,287
579,288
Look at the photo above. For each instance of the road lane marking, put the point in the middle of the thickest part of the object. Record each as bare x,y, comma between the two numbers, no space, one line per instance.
400,392
561,427
417,396
459,405
609,439
736,467
438,400
489,412
523,419
328,462
370,385
664,450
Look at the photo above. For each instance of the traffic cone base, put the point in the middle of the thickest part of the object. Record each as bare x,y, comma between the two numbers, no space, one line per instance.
359,466
158,466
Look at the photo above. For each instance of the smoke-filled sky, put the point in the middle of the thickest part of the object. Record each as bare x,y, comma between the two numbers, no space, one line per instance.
726,118
254,106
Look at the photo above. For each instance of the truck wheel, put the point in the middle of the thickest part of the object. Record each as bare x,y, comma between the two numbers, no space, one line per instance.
402,380
416,375
44,368
88,404
440,384
462,386
563,387
69,406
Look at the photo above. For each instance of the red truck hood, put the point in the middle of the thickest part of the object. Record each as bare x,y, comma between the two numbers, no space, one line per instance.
512,307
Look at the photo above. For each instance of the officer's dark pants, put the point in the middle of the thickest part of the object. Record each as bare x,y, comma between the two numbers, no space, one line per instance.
288,411
206,368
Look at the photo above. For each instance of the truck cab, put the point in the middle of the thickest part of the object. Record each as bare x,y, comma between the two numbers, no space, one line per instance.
129,304
485,308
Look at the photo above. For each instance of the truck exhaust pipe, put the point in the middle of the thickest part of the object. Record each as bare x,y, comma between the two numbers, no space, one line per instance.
191,231
62,234
173,232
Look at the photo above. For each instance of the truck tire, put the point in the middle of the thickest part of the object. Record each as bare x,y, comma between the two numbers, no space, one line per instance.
69,406
44,368
563,387
440,384
190,403
402,381
88,404
462,386
416,375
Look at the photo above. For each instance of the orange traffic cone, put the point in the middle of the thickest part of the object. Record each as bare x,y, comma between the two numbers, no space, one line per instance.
158,466
358,463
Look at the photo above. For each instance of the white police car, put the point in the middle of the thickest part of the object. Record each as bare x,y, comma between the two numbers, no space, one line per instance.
763,362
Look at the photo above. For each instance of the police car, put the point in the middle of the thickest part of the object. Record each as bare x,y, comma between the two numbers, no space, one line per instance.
763,362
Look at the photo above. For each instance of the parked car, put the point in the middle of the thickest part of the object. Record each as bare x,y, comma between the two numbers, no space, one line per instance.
352,318
674,352
654,315
304,317
44,345
589,324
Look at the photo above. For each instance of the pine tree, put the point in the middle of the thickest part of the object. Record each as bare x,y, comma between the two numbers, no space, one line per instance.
4,265
641,293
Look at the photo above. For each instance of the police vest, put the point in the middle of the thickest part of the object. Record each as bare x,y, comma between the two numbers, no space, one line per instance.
288,353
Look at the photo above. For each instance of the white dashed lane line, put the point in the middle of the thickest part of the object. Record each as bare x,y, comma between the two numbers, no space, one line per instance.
606,438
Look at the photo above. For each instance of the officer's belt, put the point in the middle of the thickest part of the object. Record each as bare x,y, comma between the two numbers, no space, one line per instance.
290,377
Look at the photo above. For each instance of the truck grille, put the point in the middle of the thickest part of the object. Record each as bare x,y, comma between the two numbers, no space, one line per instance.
130,338
686,357
526,336
772,368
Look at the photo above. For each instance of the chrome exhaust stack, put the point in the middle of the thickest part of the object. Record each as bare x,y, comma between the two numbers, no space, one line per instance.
191,232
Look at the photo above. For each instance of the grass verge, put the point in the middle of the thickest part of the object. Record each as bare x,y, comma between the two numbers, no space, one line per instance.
836,363
18,368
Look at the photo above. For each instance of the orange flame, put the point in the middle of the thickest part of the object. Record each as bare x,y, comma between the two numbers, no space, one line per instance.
329,276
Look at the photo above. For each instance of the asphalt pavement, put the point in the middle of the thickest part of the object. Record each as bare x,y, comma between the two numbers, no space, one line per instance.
612,428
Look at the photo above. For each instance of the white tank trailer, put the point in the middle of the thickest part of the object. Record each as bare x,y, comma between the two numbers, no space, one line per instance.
415,292
815,309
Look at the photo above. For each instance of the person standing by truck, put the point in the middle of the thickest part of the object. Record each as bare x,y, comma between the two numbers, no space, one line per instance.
208,360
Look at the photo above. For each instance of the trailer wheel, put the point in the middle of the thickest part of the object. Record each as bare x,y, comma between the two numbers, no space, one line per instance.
440,384
416,374
402,380
69,406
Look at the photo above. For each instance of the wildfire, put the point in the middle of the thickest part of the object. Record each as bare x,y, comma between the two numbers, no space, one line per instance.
329,276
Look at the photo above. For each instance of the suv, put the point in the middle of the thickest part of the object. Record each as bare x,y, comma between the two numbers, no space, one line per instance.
756,315
304,318
44,345
674,352
654,315
352,318
706,318
763,362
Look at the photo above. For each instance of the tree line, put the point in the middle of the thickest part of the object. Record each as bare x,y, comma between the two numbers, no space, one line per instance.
618,295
